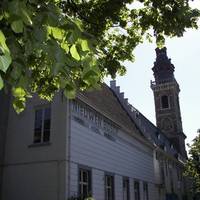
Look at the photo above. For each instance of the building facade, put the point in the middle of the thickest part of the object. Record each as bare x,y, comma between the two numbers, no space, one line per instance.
97,144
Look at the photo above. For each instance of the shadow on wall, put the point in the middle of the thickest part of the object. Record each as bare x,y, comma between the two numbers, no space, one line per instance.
172,197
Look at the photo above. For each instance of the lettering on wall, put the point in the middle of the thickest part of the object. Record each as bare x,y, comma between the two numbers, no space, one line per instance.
93,120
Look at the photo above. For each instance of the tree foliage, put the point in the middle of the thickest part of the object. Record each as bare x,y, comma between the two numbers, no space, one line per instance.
193,164
50,45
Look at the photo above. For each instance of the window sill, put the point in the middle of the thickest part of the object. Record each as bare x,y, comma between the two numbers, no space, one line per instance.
165,108
39,144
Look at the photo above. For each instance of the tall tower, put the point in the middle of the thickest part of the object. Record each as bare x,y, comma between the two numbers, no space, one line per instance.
166,96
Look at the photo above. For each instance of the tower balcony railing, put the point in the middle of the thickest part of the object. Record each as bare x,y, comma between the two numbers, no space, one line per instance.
164,82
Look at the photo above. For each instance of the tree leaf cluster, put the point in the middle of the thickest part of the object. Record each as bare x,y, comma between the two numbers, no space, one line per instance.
71,45
193,164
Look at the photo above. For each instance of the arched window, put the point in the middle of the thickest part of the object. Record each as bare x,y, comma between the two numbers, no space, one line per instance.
164,102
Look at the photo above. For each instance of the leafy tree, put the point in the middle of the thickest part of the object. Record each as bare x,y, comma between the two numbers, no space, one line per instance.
48,45
193,164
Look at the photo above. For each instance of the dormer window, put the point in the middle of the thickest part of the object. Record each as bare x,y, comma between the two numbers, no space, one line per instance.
164,102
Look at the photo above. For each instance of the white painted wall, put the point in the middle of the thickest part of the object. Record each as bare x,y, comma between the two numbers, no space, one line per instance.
118,187
36,172
98,184
125,157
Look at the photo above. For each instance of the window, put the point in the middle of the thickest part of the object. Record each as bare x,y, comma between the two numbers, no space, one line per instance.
171,180
84,182
126,195
165,102
137,190
179,174
109,187
42,125
145,191
162,172
166,168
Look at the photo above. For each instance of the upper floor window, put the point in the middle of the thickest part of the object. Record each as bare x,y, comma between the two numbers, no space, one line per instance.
166,168
42,125
137,190
145,191
109,187
179,174
126,195
164,102
162,172
85,186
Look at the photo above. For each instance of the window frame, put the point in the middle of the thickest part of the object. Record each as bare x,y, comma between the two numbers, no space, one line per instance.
139,195
89,183
145,191
126,182
112,187
42,108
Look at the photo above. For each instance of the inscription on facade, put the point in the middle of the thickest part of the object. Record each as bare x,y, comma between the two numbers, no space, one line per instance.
94,119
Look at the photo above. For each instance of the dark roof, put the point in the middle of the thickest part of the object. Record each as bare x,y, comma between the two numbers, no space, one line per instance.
146,127
105,101
110,102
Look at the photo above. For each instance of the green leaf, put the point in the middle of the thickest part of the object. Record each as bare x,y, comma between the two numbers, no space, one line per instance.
56,32
53,18
62,82
60,55
18,92
16,71
74,52
84,45
56,68
89,61
160,41
17,26
40,34
28,48
1,16
25,16
70,92
91,77
2,38
3,42
5,59
23,82
14,7
19,105
65,46
73,35
5,62
1,83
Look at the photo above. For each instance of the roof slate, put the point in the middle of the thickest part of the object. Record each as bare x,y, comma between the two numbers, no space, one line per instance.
105,101
109,101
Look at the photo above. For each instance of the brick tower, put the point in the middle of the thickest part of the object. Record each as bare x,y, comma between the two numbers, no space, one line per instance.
166,96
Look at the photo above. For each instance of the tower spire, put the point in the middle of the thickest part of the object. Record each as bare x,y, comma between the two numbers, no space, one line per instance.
166,96
163,69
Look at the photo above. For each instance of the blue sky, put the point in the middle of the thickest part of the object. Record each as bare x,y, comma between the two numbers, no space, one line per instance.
185,55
